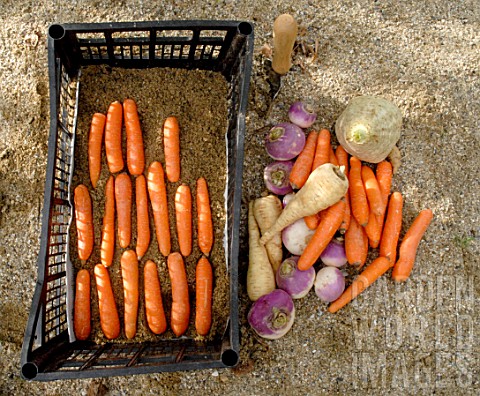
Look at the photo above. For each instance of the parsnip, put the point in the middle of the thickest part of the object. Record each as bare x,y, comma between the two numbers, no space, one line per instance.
266,211
260,276
325,186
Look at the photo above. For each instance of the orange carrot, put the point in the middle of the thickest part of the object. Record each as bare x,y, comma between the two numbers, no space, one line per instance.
356,244
123,201
95,138
84,221
143,218
82,312
203,300
158,198
342,158
373,229
409,245
129,265
156,319
322,151
358,197
113,138
135,150
204,218
180,301
369,275
107,307
303,164
171,143
183,212
108,228
392,228
322,236
332,158
372,189
312,221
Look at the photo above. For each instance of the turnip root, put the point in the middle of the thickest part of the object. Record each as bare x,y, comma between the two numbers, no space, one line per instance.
325,186
395,159
266,211
260,275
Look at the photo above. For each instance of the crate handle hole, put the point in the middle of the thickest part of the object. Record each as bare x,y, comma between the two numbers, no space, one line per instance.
245,28
56,32
29,370
229,357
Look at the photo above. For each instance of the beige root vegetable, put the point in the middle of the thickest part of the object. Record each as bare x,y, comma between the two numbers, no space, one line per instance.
325,186
260,276
266,211
369,128
395,159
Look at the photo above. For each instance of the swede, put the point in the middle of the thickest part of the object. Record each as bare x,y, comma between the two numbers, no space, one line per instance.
325,186
260,275
266,211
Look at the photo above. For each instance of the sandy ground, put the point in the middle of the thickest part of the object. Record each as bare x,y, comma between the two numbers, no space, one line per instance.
417,338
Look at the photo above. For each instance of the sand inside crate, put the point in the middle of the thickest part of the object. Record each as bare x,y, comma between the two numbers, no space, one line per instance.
199,100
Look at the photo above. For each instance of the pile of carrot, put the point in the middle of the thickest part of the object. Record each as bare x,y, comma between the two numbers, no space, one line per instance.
369,217
150,191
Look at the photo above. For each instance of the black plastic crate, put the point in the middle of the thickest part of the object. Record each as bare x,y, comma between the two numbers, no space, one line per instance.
50,350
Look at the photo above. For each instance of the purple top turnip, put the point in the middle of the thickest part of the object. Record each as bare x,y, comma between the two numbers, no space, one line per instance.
285,141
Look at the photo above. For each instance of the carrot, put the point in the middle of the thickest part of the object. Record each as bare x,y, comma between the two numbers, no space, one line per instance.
171,147
372,190
203,300
369,275
95,138
135,150
107,308
342,158
303,164
358,197
183,212
82,312
158,198
83,221
356,244
108,228
156,319
113,138
332,158
373,229
123,201
129,265
180,301
409,245
322,151
322,236
312,221
204,218
143,218
392,228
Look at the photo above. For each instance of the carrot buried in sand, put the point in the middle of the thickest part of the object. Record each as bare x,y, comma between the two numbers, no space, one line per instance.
129,265
203,299
156,319
135,150
82,311
158,198
113,138
180,315
369,275
83,221
204,218
107,308
183,214
392,228
108,228
123,201
303,164
95,138
323,235
143,218
171,147
408,247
